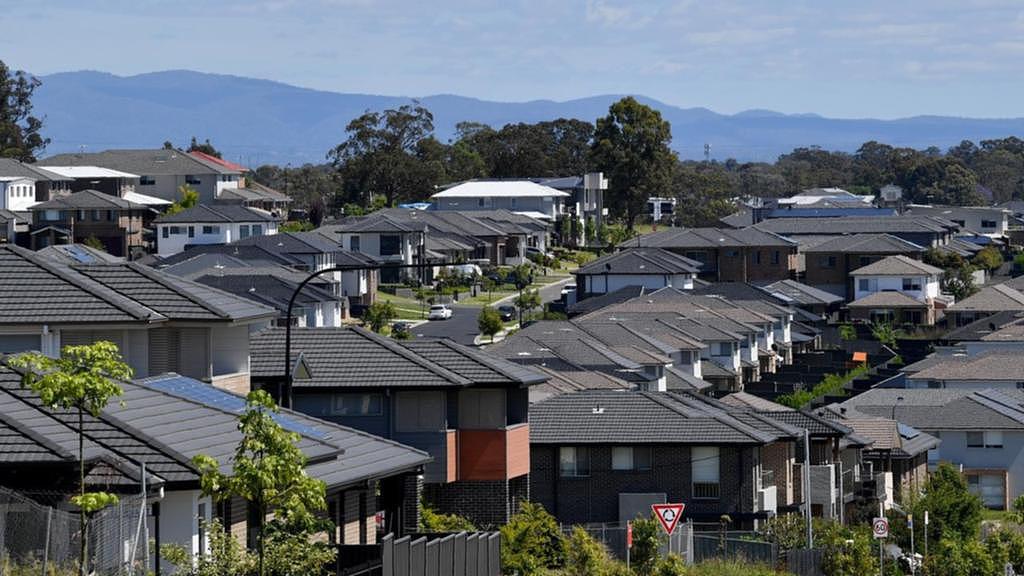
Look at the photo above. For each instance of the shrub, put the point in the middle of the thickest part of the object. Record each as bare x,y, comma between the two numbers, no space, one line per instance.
671,565
489,322
846,552
433,521
952,557
647,540
585,556
531,542
954,512
379,314
988,258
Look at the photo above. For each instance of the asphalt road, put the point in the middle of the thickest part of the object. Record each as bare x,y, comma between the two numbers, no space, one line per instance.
461,327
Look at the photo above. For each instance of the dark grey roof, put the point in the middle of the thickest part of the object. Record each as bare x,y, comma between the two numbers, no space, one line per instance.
37,290
696,238
267,288
77,254
356,358
898,265
217,213
867,244
253,192
594,303
856,225
11,167
801,294
641,261
816,426
986,326
150,162
995,298
250,254
88,200
739,219
887,299
618,417
943,409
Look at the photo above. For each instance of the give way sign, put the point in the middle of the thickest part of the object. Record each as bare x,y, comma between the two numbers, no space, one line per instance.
668,515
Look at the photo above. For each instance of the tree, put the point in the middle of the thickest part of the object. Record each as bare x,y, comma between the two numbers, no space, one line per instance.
631,147
585,556
95,243
379,314
489,322
83,379
846,552
268,472
528,300
884,333
988,258
959,282
383,154
647,540
952,557
205,147
954,512
531,542
189,198
20,136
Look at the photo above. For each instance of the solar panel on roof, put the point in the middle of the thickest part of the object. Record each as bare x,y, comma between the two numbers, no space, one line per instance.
80,255
907,432
196,391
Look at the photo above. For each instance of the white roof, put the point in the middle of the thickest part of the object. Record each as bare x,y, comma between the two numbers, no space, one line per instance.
145,200
536,215
500,189
87,172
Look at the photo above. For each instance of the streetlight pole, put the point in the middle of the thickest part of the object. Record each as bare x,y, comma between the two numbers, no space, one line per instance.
295,294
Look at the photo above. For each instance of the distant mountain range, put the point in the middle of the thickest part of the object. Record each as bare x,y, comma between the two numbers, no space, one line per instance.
259,121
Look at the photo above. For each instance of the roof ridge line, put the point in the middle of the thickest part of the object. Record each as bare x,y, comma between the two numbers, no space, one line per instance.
412,356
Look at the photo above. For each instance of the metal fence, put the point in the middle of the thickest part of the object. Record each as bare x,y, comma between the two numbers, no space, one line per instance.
613,536
461,554
39,537
708,545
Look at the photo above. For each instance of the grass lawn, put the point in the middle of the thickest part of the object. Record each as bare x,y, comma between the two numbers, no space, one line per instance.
487,298
410,303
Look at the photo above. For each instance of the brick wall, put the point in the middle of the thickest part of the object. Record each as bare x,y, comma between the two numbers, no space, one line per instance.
595,498
779,458
754,263
487,503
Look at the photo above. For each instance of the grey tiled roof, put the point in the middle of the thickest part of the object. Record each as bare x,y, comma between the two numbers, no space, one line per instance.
37,290
994,298
149,162
77,254
88,200
641,261
993,365
898,265
11,167
594,303
801,294
987,326
857,225
887,299
680,238
816,426
867,244
617,417
217,213
943,409
748,400
356,358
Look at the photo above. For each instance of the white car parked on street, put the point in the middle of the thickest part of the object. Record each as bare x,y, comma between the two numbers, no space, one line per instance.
439,312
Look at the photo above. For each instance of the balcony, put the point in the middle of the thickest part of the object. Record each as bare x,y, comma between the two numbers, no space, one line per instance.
492,454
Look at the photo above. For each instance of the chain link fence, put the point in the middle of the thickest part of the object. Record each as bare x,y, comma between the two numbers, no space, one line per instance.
40,539
613,536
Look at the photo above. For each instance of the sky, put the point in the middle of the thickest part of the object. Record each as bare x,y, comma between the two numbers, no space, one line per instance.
837,58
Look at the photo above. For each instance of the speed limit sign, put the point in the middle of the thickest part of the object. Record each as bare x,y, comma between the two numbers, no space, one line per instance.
880,528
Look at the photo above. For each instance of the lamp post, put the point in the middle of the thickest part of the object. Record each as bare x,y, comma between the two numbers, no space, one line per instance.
295,294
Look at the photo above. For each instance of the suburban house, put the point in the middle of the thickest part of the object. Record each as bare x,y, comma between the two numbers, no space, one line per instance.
981,431
744,255
827,265
607,456
977,367
806,298
10,222
242,189
315,306
925,231
466,409
585,207
44,184
17,193
117,223
810,203
985,220
161,172
523,196
219,223
652,268
385,239
162,423
160,322
985,302
897,290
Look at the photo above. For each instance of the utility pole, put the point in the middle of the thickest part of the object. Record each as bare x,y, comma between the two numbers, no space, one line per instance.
807,488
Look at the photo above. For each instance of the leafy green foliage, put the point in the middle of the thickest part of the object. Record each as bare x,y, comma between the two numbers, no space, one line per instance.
959,282
671,565
884,333
189,198
528,300
830,385
953,511
953,557
647,540
489,321
227,556
848,552
631,146
531,542
268,471
93,502
379,314
295,226
988,258
787,531
847,332
585,556
95,243
433,521
205,147
20,136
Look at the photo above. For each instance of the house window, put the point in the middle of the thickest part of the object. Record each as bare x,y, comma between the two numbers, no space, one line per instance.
732,253
357,405
175,230
775,257
243,231
110,216
163,231
482,409
419,411
990,224
864,285
201,526
192,180
211,229
483,202
52,215
97,215
574,461
146,181
257,230
987,439
827,262
704,471
912,284
81,215
353,243
723,349
990,487
191,231
757,257
390,245
512,203
631,458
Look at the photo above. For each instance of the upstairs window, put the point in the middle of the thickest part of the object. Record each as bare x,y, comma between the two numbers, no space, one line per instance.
631,458
827,262
357,405
353,244
211,229
723,349
192,180
989,224
775,257
257,230
574,461
390,245
146,181
912,284
987,439
243,231
704,471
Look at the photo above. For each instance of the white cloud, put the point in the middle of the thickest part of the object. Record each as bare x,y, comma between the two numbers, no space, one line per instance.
739,36
609,15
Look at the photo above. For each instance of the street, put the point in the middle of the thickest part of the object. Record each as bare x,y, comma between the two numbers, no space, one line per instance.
461,327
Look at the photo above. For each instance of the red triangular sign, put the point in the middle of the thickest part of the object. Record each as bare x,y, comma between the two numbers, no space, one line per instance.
668,515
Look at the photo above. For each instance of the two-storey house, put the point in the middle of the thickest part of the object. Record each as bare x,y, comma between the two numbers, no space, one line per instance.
897,290
744,255
220,223
827,264
522,196
652,268
468,410
117,223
